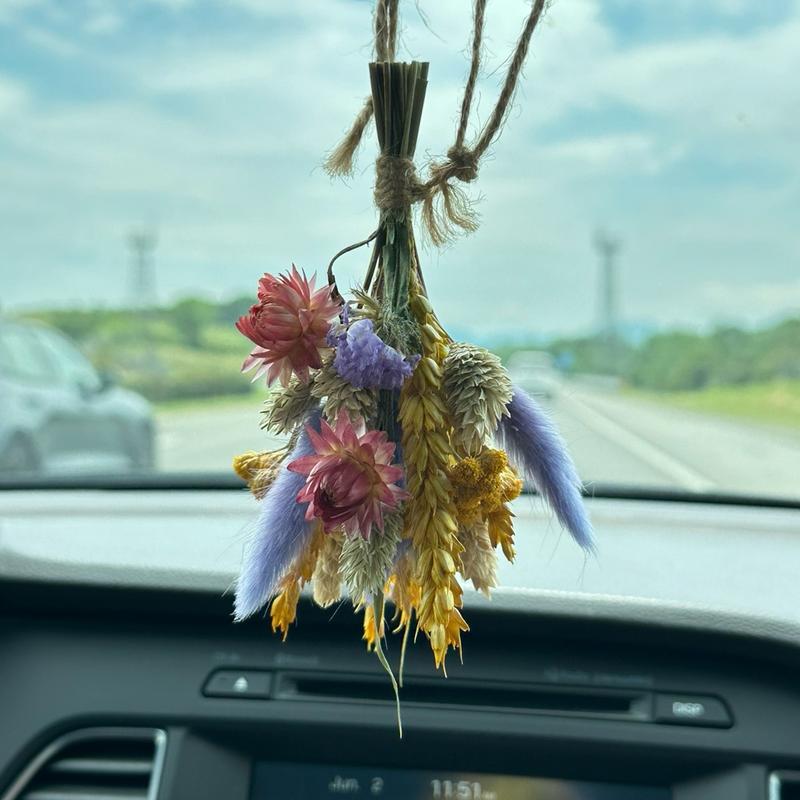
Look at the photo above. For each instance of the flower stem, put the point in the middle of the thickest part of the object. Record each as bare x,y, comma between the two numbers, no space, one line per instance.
378,604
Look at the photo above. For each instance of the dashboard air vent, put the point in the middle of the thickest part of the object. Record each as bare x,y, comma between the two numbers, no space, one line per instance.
784,785
95,764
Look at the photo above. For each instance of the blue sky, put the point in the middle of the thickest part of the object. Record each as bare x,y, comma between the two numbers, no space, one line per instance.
672,123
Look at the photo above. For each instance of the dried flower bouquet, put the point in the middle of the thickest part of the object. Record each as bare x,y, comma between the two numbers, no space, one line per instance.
405,447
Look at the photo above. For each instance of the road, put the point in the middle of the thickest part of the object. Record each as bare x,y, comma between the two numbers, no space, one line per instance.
613,437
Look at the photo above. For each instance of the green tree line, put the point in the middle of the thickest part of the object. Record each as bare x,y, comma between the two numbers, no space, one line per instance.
689,361
190,349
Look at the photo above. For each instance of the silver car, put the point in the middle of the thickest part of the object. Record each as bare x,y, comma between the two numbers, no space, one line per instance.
58,414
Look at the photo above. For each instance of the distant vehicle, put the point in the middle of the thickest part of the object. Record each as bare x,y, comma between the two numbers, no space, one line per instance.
535,371
58,414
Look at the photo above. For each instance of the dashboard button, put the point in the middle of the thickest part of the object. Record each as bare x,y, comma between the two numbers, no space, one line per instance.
682,709
245,683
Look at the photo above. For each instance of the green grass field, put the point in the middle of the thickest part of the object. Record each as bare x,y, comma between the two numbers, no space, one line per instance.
775,402
253,399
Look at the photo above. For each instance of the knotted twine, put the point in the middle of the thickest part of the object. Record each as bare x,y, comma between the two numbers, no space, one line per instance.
446,209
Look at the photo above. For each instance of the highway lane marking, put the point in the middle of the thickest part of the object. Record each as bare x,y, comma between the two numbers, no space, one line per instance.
653,456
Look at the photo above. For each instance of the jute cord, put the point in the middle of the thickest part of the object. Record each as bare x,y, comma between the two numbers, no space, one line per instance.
445,207
340,161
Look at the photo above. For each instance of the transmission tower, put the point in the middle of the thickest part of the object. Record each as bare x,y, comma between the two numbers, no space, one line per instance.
142,243
608,248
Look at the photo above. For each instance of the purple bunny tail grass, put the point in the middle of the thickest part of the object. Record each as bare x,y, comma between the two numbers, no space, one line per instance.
537,450
280,536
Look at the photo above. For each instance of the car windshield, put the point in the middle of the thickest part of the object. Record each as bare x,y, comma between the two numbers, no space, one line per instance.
636,263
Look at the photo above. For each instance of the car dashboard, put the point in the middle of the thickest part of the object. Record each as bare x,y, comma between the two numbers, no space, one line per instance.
122,675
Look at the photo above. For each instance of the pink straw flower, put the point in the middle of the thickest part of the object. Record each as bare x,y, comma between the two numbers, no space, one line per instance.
288,325
350,479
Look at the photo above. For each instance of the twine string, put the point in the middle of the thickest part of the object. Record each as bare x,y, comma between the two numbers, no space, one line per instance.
495,122
479,13
391,30
341,159
446,209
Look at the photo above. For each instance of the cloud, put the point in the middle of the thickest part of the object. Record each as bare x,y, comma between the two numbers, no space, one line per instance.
632,152
216,132
10,10
173,5
48,40
13,96
212,73
103,22
751,301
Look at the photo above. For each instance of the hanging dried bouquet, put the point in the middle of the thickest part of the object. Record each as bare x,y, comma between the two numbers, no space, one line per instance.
405,447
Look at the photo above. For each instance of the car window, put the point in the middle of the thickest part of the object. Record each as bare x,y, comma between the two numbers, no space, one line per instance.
22,355
635,266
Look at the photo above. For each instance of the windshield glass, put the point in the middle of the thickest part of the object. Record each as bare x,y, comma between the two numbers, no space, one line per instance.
636,264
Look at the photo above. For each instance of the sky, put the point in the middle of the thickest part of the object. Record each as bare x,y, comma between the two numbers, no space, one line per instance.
671,124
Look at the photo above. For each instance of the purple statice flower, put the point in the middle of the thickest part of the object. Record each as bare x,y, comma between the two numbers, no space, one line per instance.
365,361
537,450
338,332
281,534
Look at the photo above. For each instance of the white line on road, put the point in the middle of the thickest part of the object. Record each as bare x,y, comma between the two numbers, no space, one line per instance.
670,466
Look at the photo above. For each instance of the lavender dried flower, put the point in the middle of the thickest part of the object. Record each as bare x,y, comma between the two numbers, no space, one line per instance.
364,360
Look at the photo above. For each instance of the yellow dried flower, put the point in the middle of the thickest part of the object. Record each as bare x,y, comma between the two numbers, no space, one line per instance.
403,588
283,610
326,581
501,531
247,464
369,626
476,484
430,512
259,470
492,462
510,485
482,486
501,528
468,489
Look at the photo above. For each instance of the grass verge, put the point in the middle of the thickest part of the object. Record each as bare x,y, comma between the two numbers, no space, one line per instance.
775,402
252,399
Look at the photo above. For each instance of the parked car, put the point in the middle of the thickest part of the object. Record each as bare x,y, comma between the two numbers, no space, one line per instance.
58,414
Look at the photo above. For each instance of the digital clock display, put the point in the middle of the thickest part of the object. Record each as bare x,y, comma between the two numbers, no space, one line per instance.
284,781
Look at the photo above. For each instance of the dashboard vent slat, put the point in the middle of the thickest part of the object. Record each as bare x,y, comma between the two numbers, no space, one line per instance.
100,766
95,764
84,793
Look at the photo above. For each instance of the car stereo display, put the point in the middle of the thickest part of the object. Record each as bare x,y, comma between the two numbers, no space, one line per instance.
283,781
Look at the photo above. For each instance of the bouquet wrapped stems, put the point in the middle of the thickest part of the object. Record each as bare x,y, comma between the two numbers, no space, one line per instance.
407,323
398,92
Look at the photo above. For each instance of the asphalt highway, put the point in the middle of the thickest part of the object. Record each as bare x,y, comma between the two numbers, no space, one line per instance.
614,438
